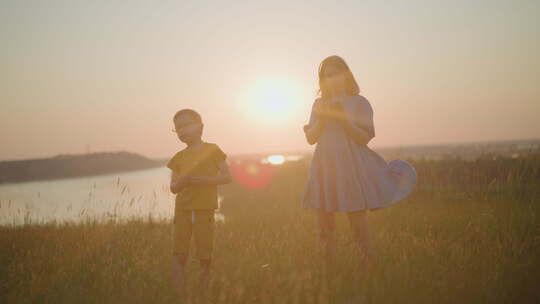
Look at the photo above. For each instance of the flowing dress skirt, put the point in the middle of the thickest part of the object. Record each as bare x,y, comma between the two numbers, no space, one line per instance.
345,176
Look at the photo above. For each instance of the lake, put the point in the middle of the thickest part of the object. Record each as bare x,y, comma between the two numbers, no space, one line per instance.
118,196
121,195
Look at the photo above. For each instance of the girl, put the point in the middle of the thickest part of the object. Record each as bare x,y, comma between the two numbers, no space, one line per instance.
345,174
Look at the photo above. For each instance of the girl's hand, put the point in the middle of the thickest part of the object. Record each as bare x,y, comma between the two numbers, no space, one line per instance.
336,111
314,129
321,109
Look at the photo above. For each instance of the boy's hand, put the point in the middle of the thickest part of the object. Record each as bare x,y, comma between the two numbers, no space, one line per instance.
184,180
209,180
179,181
199,179
224,177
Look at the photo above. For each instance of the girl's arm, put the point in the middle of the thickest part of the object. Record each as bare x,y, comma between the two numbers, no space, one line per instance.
314,129
358,134
359,126
313,132
223,177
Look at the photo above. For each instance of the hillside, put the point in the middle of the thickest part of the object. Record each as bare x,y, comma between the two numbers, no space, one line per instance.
70,165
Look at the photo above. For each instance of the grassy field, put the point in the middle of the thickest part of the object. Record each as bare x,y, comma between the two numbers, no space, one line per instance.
470,233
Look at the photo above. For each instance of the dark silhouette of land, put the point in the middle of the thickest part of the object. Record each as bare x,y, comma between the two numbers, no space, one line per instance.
70,165
73,165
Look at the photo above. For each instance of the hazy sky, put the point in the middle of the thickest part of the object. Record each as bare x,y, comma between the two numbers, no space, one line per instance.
109,75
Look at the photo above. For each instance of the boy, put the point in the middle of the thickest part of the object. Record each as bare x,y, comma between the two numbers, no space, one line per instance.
196,172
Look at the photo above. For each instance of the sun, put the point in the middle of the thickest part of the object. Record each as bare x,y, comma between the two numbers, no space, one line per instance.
271,100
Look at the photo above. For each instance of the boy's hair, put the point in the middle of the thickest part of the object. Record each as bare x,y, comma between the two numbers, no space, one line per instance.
190,112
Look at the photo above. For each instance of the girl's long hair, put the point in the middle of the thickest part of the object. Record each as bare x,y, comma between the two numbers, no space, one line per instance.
351,87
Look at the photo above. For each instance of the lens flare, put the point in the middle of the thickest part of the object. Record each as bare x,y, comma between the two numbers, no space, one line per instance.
252,173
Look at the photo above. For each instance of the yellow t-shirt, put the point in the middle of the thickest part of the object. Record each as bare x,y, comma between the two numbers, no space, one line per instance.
201,162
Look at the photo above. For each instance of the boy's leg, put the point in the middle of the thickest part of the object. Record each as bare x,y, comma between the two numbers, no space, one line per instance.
360,230
203,232
182,236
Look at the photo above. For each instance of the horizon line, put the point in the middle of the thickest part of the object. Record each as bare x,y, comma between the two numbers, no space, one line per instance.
292,151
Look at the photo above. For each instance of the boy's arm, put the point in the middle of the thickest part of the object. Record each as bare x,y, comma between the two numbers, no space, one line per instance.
223,177
178,182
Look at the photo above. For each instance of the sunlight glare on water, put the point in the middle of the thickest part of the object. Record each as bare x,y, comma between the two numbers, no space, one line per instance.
276,159
119,196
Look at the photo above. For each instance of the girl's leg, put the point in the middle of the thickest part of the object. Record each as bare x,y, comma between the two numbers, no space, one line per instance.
360,230
327,227
327,241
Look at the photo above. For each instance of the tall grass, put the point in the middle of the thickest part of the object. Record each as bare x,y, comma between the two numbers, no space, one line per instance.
469,233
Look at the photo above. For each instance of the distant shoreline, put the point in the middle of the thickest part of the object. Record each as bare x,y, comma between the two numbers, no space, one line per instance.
73,165
92,164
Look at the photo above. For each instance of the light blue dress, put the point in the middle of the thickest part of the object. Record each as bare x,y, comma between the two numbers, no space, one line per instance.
346,176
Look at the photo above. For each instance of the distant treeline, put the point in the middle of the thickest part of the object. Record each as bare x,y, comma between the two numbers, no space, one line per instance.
66,166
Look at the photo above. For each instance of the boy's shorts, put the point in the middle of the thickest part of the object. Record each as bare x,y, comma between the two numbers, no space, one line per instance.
200,223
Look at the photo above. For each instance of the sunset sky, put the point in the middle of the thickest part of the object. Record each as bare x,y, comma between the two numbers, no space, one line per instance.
78,76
